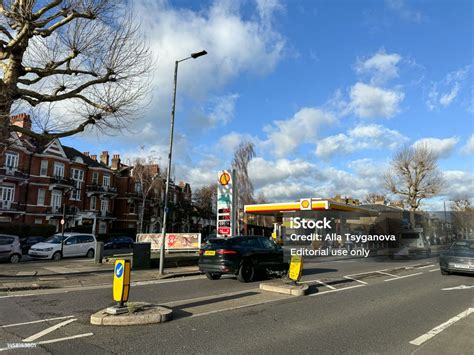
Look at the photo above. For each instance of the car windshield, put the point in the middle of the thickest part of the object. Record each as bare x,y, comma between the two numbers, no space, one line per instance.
467,246
55,239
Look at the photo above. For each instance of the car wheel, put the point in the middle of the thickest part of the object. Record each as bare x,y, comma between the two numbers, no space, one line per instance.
213,275
90,253
246,272
445,272
15,258
56,256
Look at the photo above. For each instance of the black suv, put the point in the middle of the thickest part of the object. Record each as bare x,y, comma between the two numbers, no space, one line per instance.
243,256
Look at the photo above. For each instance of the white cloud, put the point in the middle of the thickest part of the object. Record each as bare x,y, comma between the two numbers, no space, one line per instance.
284,136
263,172
371,102
359,138
283,191
222,110
404,11
442,148
229,142
459,184
469,147
445,92
381,67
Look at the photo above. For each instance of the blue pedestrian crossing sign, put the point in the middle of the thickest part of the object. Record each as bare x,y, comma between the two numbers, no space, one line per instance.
121,286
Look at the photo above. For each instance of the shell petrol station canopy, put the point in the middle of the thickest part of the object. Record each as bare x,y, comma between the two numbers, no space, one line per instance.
305,204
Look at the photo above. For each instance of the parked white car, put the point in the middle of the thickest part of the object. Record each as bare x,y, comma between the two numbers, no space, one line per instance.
75,244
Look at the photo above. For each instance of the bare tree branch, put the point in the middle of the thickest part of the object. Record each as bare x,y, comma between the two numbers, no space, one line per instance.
83,52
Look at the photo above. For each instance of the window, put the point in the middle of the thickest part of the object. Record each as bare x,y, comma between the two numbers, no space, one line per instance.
267,244
41,197
11,160
70,241
6,241
78,176
95,178
58,170
38,221
138,187
132,208
56,201
104,205
44,168
7,194
85,238
106,180
93,203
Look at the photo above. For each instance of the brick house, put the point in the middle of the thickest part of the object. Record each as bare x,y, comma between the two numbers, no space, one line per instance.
42,184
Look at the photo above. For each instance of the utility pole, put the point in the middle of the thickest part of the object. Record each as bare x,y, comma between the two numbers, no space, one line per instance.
165,208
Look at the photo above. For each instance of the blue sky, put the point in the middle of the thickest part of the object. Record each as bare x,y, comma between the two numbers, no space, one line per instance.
326,90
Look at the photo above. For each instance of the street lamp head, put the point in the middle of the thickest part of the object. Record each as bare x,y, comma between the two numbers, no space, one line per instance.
198,54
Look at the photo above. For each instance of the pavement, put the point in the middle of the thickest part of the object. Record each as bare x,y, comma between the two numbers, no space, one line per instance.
354,306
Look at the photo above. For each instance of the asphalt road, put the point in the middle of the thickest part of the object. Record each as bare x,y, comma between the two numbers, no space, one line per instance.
356,306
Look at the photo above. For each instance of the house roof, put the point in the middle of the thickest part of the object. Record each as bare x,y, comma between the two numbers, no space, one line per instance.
71,153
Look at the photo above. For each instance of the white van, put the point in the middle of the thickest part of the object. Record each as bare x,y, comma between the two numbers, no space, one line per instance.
412,242
75,244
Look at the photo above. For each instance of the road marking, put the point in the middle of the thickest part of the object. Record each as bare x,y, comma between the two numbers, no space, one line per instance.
402,277
351,278
48,330
65,338
421,339
325,284
386,273
35,321
23,295
319,282
437,269
422,267
336,290
462,287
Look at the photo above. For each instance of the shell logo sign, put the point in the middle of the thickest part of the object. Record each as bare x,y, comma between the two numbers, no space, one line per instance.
305,204
225,203
224,178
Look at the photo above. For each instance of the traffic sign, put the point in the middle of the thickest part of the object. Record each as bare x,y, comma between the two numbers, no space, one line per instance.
62,221
121,286
296,268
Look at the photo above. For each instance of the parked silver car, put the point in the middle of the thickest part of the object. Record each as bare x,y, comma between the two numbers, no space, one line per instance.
10,249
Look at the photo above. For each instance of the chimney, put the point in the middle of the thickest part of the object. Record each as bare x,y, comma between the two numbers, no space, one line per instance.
104,158
154,169
22,120
115,162
86,154
94,157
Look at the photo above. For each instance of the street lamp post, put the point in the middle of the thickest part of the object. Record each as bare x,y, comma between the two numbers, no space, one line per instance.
165,209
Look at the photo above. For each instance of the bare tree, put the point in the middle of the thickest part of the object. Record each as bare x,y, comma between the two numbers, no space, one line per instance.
242,156
414,176
204,199
147,178
84,58
463,216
